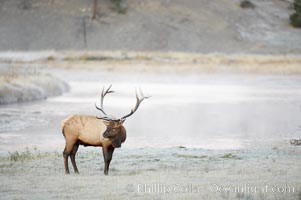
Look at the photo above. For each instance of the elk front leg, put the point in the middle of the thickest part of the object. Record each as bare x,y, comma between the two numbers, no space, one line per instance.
107,156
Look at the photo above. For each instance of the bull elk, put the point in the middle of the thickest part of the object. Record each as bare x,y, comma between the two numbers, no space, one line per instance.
105,131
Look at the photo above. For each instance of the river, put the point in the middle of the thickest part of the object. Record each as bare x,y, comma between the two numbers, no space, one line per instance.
211,111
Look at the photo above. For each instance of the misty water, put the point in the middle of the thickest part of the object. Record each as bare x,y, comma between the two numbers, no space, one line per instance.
204,111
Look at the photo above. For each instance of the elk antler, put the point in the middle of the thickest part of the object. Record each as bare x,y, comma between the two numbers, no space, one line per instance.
138,101
112,119
103,94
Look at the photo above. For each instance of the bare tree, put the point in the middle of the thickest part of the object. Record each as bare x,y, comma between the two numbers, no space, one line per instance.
84,32
94,9
26,4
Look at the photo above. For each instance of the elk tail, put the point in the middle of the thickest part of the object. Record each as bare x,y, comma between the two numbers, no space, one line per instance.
63,132
62,126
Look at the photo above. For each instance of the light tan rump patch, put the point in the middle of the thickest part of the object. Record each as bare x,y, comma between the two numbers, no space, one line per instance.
66,120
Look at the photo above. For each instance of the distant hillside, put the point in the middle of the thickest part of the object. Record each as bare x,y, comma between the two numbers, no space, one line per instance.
202,26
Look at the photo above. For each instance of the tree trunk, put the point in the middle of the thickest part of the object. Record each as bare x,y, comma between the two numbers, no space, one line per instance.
94,9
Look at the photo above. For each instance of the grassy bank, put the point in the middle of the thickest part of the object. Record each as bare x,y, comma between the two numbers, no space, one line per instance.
160,62
27,84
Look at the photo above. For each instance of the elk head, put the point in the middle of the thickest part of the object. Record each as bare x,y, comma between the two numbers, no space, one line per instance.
113,124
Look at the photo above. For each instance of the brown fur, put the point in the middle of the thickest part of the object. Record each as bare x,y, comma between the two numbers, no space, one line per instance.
89,131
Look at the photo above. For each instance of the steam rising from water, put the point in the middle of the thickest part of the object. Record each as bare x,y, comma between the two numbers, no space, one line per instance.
213,112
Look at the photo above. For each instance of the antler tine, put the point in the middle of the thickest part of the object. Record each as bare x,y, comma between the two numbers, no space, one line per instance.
103,94
141,93
138,102
100,109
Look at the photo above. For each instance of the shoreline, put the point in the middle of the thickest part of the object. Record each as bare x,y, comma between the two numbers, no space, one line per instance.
19,88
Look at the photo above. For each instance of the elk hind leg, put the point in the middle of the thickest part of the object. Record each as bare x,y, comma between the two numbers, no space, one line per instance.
72,156
66,154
